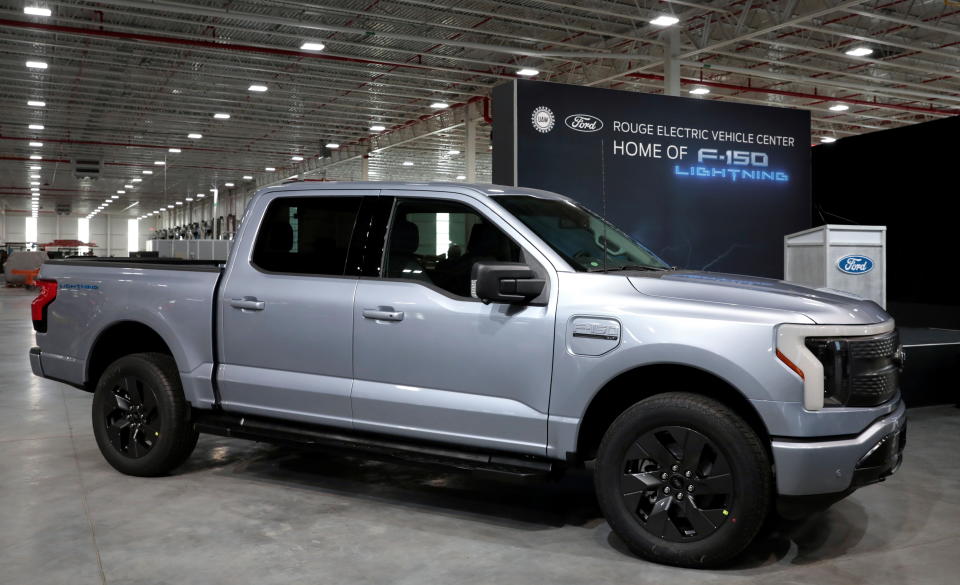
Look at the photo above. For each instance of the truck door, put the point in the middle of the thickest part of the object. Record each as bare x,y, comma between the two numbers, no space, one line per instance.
286,309
432,362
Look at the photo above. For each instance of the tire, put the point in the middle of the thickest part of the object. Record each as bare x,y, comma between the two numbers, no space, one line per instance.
141,420
717,488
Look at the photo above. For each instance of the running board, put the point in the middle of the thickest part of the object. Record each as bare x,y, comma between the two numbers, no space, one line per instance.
490,464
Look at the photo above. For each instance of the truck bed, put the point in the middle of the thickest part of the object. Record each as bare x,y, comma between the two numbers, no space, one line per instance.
127,300
149,263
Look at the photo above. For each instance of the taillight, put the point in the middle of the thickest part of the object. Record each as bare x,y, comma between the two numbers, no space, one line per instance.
38,308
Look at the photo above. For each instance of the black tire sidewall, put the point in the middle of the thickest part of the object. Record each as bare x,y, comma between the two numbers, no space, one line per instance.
738,443
159,376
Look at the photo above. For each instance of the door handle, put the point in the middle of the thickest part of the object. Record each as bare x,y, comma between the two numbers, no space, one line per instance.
383,315
247,303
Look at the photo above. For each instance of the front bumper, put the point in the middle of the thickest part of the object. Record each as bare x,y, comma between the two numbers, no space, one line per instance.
838,466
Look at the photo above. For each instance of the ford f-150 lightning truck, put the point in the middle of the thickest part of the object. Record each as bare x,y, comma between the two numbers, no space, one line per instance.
502,330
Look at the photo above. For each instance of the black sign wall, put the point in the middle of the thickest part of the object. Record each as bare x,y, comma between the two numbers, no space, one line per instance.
705,184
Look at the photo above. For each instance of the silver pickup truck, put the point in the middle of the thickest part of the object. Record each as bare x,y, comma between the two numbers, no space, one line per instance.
506,331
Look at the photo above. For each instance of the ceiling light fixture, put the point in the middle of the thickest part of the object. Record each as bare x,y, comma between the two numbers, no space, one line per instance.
200,195
270,169
36,157
188,199
159,163
36,65
828,139
136,180
461,177
700,91
859,51
332,145
528,72
221,116
36,103
228,184
408,163
145,172
128,186
257,87
296,158
439,105
174,150
35,168
179,202
312,46
35,126
34,176
664,20
120,192
377,128
195,136
839,108
34,183
453,152
36,144
36,11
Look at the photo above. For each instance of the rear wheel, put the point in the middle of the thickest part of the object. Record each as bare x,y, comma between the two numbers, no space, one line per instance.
140,417
683,480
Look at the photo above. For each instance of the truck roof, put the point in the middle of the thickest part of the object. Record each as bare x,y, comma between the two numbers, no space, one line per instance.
474,189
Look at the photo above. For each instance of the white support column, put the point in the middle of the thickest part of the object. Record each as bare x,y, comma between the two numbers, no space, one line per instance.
365,167
470,146
109,235
671,62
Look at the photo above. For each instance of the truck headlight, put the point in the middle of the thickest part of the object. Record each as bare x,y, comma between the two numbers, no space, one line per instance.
793,352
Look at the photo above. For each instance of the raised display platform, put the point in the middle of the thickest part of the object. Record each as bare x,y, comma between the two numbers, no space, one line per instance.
931,371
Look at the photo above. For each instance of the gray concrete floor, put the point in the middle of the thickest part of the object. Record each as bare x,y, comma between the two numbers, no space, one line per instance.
242,512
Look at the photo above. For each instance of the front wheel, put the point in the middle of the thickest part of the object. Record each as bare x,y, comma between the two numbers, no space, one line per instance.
683,480
140,417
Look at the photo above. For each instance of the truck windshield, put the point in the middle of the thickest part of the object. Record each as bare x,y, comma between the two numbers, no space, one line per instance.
579,235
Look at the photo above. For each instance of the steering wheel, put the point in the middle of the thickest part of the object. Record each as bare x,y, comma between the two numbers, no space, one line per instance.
599,241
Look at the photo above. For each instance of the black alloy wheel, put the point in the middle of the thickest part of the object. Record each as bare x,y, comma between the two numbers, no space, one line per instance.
682,479
678,484
141,419
132,419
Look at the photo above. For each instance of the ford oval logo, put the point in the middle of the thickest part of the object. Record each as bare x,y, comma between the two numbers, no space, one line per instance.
583,123
855,264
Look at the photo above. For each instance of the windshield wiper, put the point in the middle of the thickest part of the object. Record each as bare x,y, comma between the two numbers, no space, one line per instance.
629,267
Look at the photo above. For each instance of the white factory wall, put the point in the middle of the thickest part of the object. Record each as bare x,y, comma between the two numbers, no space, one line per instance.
64,227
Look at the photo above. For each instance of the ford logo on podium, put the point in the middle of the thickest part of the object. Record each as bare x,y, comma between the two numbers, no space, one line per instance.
855,264
583,123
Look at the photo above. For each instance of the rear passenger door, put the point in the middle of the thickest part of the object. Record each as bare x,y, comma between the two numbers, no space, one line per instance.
431,361
286,310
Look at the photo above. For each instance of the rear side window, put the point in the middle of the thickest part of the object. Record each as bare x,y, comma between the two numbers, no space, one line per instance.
306,235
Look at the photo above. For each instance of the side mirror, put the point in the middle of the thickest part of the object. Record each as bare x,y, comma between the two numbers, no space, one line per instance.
505,282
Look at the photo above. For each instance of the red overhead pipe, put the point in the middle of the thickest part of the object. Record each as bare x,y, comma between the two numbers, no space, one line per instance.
797,94
223,46
134,145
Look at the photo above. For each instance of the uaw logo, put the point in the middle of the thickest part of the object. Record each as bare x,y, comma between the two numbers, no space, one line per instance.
855,264
542,119
583,123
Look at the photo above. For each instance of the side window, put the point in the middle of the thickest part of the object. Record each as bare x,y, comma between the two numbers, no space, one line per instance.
438,242
306,235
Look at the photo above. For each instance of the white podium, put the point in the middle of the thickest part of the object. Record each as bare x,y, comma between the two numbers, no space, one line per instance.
849,258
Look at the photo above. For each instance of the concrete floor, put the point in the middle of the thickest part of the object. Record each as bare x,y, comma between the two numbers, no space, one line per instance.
240,512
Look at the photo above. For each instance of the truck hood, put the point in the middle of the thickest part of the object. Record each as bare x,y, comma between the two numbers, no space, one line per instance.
820,305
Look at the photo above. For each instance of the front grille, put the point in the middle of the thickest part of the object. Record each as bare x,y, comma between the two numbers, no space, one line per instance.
858,371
